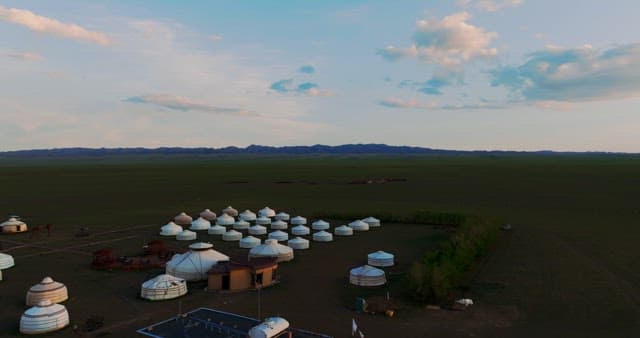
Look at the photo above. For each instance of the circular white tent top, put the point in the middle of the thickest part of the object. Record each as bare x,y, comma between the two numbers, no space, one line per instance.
380,258
367,276
241,225
300,230
278,225
322,236
183,219
359,226
248,216
263,220
6,261
282,216
320,225
216,230
298,243
186,235
271,327
170,229
250,242
372,221
194,264
271,248
13,225
48,289
200,224
279,235
231,236
208,215
343,230
44,317
230,211
225,219
267,212
257,230
298,220
163,287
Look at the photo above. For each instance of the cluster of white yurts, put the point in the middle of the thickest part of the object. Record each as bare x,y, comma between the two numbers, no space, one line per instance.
45,314
370,274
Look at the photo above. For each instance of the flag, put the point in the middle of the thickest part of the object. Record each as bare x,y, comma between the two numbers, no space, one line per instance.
361,334
354,327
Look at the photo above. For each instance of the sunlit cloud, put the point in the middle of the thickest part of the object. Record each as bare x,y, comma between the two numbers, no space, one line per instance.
23,56
174,102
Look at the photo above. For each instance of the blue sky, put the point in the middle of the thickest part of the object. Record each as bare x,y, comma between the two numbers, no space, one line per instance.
461,74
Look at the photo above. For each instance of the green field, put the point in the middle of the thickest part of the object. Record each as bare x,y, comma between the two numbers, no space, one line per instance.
570,267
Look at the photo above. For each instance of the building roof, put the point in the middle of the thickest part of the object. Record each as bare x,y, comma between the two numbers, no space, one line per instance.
243,262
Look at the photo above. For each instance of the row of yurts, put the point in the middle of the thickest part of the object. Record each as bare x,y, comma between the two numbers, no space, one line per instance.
201,260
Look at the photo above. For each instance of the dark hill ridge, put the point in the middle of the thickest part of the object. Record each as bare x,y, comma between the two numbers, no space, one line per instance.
269,150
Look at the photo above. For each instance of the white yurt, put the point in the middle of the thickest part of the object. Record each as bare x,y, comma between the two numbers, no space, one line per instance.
322,236
225,220
208,215
216,230
271,248
267,212
200,224
230,211
282,216
13,225
163,287
300,230
232,235
372,221
241,225
380,258
194,264
257,230
298,243
271,327
44,317
262,220
320,225
279,235
250,242
183,219
170,229
248,216
359,226
48,289
6,261
186,235
278,225
298,220
367,276
343,230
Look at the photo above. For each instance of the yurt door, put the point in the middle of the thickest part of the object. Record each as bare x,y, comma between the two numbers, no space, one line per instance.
225,282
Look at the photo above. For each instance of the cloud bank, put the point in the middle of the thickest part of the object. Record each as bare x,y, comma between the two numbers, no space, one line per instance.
180,103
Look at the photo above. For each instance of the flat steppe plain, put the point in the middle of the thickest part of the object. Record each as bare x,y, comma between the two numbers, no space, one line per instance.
570,267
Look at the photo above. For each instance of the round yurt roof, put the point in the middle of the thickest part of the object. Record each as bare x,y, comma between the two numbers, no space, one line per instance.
279,235
230,211
200,224
194,264
216,230
298,240
12,221
200,246
257,230
320,225
359,225
267,212
241,224
380,255
183,219
298,243
47,284
186,235
322,236
232,235
271,248
263,220
380,258
208,215
248,215
170,229
6,261
250,242
343,230
300,230
44,317
283,216
367,276
278,224
372,221
225,219
163,281
298,220
367,270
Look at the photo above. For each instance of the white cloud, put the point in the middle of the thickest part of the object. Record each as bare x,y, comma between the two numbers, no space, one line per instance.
490,5
415,104
24,56
175,102
318,92
216,37
41,24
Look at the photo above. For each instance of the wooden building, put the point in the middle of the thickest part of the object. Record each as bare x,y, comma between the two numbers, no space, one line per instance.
242,274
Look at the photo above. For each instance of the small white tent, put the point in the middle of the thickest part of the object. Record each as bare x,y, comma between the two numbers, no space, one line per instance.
278,225
183,219
359,226
6,261
263,220
241,225
47,289
271,327
225,220
282,216
186,235
257,230
170,229
163,287
367,276
298,220
343,230
12,225
279,235
230,211
271,248
267,212
300,230
320,225
44,317
322,236
248,216
200,224
372,221
231,236
380,258
216,230
250,242
208,215
194,264
298,243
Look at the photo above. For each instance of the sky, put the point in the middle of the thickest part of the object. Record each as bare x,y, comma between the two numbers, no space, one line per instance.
460,74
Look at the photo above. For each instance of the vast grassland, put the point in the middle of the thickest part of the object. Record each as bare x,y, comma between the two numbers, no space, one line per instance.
570,267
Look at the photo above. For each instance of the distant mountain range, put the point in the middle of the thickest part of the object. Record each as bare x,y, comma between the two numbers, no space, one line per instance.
269,150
